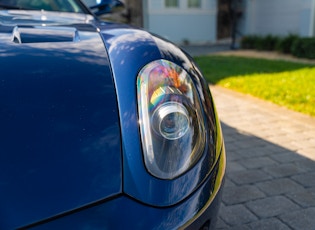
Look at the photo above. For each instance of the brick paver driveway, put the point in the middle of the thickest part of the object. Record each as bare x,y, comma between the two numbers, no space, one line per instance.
270,180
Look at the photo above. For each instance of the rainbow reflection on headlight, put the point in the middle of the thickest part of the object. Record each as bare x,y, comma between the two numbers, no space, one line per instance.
171,119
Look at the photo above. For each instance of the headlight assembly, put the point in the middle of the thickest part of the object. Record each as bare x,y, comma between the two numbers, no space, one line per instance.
171,120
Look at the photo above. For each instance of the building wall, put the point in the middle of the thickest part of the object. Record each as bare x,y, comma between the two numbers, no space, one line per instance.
279,17
182,24
133,12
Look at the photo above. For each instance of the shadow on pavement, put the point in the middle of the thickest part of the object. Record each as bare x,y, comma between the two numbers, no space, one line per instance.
267,186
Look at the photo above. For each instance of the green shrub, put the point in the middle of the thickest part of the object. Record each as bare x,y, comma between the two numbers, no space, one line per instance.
284,45
299,47
248,42
268,42
304,48
259,42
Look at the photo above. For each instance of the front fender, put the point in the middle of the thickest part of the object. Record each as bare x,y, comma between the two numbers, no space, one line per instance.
129,50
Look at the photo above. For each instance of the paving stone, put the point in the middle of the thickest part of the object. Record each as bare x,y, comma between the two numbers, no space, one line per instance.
233,154
305,199
307,152
236,215
231,150
240,194
221,224
280,186
228,138
234,167
306,164
309,134
286,157
301,219
284,140
238,227
290,145
272,206
306,141
257,162
266,150
247,154
294,128
228,183
252,142
306,179
248,176
272,149
258,133
283,170
268,224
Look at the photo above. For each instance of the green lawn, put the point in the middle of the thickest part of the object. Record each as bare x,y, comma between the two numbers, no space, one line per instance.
284,83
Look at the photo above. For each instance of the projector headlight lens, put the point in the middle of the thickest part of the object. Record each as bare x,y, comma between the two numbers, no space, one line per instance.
171,119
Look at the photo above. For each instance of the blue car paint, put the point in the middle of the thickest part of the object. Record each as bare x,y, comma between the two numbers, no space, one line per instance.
84,67
130,214
129,50
60,135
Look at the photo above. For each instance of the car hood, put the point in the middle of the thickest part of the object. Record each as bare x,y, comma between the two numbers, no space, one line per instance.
33,17
60,138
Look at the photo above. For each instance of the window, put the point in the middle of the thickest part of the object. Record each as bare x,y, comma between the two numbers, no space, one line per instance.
194,3
171,3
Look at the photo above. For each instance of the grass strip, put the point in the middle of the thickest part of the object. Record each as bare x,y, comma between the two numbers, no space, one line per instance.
288,84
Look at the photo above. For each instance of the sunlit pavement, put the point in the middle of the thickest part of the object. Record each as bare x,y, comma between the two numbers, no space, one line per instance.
270,179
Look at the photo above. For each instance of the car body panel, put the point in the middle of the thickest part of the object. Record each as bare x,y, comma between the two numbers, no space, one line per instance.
60,135
129,50
185,215
68,85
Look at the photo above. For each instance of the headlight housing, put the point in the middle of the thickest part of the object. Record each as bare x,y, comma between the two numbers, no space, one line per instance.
171,120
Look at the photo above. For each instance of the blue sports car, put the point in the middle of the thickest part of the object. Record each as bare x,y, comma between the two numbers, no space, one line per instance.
102,126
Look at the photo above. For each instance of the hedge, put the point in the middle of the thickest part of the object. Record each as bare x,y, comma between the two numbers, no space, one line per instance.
285,44
304,48
291,44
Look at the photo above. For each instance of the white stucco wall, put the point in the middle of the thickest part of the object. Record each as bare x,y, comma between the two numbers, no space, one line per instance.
279,17
195,25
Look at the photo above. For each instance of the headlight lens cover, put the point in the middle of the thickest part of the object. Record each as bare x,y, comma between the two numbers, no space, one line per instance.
171,119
